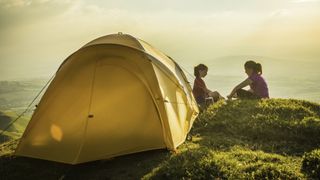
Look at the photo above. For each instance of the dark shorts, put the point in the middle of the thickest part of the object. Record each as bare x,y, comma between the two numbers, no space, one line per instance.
244,94
200,100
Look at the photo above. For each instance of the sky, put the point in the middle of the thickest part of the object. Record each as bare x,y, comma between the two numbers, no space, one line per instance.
37,35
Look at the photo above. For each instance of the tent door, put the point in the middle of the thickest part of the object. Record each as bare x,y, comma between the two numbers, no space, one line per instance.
122,118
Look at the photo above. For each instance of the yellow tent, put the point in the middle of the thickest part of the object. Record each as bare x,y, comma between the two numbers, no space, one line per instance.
116,95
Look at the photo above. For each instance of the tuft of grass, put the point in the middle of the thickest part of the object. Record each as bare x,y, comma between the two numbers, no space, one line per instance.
311,164
8,147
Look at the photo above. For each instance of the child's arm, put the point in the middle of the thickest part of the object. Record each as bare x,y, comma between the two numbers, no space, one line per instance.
243,84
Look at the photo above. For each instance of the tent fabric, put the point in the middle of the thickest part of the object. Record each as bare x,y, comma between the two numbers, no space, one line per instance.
114,96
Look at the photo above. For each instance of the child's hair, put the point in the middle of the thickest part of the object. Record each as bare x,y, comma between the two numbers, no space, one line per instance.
198,68
256,67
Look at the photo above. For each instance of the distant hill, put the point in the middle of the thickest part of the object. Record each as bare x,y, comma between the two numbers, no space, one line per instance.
16,95
273,67
241,139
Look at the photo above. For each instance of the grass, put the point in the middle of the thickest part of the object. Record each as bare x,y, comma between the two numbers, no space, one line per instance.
15,130
249,139
311,164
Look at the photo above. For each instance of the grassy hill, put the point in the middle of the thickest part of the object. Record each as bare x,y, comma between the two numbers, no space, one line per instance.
250,139
14,131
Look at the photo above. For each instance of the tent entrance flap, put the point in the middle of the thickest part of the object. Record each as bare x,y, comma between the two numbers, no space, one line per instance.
110,131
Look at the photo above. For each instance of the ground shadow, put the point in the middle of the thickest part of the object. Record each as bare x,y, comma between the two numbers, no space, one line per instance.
132,166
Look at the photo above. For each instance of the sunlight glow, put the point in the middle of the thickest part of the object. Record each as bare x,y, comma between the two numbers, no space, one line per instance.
56,132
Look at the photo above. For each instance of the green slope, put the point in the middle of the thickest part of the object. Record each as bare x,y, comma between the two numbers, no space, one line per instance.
15,130
268,139
248,139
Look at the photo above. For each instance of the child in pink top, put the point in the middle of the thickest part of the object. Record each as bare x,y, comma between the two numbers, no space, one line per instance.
258,86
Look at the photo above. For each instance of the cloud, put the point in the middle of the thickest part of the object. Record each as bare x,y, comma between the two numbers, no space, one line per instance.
281,13
14,3
24,3
15,13
305,1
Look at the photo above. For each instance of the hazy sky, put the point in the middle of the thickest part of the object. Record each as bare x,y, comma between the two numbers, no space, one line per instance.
37,35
